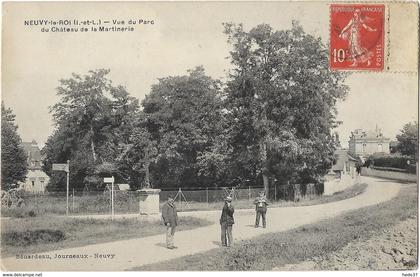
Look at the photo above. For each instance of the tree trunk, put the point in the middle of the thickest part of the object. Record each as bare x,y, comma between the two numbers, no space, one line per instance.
263,155
146,169
147,175
92,143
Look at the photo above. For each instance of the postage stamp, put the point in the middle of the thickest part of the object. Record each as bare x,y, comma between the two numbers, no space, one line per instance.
357,37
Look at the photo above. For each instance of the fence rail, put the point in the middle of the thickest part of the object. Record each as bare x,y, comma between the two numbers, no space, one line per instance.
210,195
126,202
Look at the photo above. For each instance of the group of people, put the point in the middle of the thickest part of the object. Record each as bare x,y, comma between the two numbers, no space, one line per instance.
170,219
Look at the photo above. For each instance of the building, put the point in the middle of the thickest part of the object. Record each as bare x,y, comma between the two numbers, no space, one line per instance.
36,179
33,153
343,173
344,163
364,143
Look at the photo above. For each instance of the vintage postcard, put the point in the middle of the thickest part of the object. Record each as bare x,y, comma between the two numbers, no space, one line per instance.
209,136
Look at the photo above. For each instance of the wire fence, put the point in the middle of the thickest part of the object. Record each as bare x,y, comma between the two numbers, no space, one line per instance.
209,195
127,202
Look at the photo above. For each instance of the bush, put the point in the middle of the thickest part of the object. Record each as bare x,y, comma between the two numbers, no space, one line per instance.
32,237
31,213
17,212
399,162
319,188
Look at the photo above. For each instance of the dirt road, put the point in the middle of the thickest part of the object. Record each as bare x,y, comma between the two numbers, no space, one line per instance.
126,254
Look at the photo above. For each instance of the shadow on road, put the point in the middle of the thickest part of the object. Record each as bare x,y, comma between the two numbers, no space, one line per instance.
161,244
218,243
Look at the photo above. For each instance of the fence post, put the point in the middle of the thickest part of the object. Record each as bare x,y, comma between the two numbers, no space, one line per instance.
207,195
249,193
72,206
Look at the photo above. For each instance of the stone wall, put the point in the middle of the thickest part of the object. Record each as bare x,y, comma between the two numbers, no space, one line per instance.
333,185
400,176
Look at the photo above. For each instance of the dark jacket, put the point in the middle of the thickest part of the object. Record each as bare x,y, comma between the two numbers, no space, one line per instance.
169,214
261,204
227,215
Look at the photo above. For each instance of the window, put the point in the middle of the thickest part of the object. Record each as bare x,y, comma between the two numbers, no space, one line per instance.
33,183
380,148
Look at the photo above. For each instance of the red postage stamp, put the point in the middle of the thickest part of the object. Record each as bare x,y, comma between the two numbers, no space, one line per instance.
357,37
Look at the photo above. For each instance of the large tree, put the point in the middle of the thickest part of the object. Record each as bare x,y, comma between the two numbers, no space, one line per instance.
184,116
93,121
408,140
13,158
281,96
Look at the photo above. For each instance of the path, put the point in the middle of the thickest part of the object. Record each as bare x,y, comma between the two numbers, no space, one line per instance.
142,251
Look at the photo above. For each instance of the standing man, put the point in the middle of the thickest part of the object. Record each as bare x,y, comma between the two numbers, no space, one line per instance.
226,222
358,169
261,204
170,219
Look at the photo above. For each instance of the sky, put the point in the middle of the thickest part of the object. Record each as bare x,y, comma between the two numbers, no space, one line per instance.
184,35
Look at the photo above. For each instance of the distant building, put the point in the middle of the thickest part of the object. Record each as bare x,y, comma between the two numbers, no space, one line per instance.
343,172
364,143
33,153
36,179
344,163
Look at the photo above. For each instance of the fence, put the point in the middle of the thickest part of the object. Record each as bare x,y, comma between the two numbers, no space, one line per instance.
210,195
127,202
297,192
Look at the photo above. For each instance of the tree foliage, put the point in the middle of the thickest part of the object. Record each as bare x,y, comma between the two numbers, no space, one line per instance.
272,120
408,140
185,119
13,158
93,121
281,96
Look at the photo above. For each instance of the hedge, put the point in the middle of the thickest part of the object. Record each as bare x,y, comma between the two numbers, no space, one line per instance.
398,162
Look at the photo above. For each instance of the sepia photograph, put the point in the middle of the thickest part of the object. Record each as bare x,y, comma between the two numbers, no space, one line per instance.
232,136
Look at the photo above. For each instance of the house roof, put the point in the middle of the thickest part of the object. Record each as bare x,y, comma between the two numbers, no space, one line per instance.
36,174
32,150
368,135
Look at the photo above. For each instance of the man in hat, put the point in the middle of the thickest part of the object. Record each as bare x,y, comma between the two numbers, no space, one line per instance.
170,219
261,204
226,222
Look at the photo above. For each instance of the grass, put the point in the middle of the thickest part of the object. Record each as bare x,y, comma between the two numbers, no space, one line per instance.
313,240
126,202
32,235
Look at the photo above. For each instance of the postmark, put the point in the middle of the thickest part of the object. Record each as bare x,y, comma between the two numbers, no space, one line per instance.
357,37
